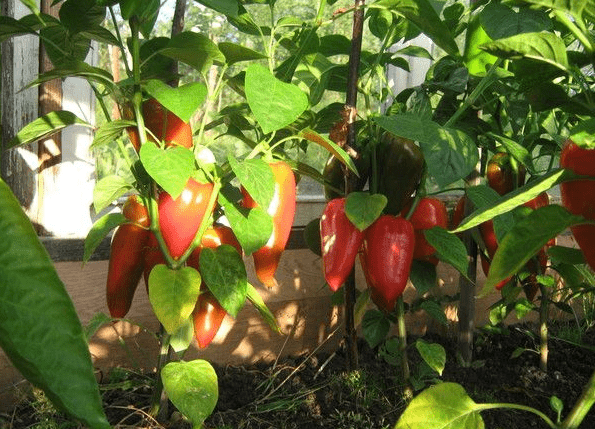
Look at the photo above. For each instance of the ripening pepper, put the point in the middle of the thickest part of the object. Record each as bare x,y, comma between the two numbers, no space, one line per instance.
578,196
208,314
400,167
282,211
126,264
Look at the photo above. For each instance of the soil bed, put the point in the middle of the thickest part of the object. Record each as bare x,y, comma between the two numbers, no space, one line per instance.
317,391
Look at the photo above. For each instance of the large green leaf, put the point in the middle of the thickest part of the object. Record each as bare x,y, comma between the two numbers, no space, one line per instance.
375,327
110,131
109,189
252,227
235,53
515,198
542,46
449,248
78,69
256,177
99,231
501,21
573,7
39,328
433,354
274,103
527,237
424,16
171,168
192,387
45,126
226,7
194,49
182,101
443,406
173,295
450,154
224,273
362,209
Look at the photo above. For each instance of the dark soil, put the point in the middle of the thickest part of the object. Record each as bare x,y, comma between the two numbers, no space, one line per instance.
317,391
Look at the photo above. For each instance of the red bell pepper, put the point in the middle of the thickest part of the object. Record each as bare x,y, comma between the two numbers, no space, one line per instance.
386,258
340,241
428,213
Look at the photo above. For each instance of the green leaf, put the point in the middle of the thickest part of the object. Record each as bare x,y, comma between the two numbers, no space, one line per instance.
331,147
525,239
97,321
433,354
108,190
182,338
192,387
566,255
173,295
573,7
518,152
45,126
435,311
182,101
258,303
229,8
224,273
99,231
110,131
362,209
449,248
515,198
235,53
62,46
501,21
523,307
40,331
583,134
375,327
77,69
170,168
450,154
252,227
424,16
442,406
484,196
423,276
543,46
256,176
194,49
274,103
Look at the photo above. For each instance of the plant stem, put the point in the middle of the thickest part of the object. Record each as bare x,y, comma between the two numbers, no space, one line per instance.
582,406
159,398
402,335
543,328
350,106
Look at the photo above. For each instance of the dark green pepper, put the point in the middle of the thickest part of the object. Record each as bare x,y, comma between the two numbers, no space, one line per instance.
333,176
400,166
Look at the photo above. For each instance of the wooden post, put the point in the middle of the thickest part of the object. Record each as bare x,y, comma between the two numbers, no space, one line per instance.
18,165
